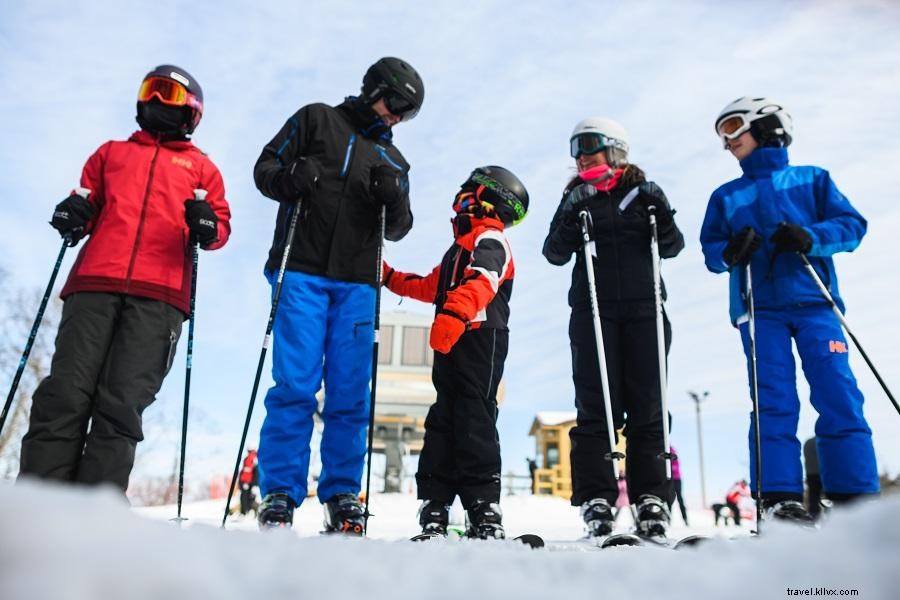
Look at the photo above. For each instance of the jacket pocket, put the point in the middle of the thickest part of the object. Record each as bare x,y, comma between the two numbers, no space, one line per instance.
170,351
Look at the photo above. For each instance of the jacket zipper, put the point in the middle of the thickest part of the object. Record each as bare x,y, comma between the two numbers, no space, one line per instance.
615,227
137,239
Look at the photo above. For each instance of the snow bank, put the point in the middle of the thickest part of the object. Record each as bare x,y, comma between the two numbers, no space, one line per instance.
68,544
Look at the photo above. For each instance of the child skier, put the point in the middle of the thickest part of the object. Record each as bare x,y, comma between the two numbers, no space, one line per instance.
769,216
471,289
129,289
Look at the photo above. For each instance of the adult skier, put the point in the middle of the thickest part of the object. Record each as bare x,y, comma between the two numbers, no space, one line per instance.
129,289
769,216
618,197
470,289
341,162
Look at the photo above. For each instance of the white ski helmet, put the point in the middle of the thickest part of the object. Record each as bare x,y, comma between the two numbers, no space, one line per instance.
766,119
598,133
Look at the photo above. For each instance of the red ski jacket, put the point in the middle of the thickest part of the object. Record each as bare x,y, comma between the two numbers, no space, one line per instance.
473,281
248,468
138,242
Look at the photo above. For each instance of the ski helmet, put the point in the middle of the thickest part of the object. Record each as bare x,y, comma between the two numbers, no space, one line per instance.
173,87
497,189
598,133
766,120
398,83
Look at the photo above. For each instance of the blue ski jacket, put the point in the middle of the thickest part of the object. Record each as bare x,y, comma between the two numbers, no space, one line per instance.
768,193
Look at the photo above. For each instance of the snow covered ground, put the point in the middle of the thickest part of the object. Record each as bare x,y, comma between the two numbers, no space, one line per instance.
65,544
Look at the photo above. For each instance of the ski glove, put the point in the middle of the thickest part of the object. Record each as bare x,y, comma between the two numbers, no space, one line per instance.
387,184
302,176
790,237
202,222
445,331
650,195
71,216
577,198
742,244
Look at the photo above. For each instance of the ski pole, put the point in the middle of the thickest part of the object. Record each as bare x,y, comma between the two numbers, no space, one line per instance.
586,224
660,340
199,194
375,342
843,321
754,392
66,243
267,339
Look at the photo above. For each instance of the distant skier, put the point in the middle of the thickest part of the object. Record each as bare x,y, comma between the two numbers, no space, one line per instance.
734,499
248,479
677,487
768,216
341,161
617,196
471,289
129,289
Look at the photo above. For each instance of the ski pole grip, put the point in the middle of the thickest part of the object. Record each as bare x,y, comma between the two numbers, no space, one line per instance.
200,194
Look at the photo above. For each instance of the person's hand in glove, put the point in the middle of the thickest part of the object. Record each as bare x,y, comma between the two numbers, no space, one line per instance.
742,244
387,184
790,237
445,331
303,175
202,222
71,216
651,196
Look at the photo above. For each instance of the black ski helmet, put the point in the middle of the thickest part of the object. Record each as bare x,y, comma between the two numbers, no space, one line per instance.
193,104
394,77
501,190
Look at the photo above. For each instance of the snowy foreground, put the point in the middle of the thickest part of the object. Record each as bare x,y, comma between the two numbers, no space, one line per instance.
64,544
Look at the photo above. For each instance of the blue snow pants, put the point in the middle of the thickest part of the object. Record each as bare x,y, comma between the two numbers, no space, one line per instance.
323,330
844,440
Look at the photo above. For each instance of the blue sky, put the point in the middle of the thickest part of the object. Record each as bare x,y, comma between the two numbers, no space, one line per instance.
505,84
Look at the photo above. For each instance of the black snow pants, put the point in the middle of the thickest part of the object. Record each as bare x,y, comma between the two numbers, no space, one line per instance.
112,353
461,452
629,340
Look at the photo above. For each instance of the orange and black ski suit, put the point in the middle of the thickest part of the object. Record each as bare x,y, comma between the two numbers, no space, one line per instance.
461,453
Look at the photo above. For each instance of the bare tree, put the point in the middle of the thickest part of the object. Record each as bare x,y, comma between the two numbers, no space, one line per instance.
17,310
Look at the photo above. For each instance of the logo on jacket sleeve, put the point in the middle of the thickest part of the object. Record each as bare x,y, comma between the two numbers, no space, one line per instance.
837,346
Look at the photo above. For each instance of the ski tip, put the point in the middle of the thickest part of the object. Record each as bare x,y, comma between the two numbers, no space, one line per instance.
530,539
622,539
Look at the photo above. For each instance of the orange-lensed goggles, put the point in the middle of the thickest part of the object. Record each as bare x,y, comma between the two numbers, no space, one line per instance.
168,92
732,127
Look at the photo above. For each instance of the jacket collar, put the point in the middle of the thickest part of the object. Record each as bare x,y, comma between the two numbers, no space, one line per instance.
365,120
148,139
762,162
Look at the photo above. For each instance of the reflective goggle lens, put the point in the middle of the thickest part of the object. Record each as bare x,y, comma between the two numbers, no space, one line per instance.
732,126
166,90
400,106
586,143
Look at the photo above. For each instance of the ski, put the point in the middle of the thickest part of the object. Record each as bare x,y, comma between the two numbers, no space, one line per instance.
529,539
633,539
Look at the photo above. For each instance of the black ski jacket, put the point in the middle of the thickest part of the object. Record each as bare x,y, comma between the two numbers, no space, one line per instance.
623,266
338,229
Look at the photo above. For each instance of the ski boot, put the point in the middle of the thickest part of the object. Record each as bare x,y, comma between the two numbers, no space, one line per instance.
344,514
434,516
788,511
276,510
598,517
484,520
651,517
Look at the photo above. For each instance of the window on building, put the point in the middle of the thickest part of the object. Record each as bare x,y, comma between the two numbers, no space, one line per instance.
386,345
415,346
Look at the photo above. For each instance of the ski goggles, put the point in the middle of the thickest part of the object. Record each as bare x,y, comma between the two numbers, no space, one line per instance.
732,127
168,92
592,143
400,106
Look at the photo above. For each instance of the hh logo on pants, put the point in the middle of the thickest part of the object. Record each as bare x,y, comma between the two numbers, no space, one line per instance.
836,346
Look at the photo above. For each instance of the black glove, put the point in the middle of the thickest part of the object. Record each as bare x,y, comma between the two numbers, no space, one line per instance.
71,216
202,221
651,196
790,237
387,184
742,244
302,176
576,199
